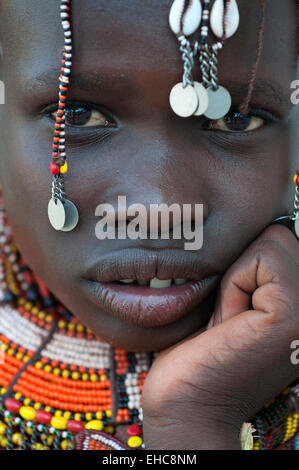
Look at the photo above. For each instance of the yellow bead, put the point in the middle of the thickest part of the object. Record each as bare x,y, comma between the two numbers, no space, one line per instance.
3,442
56,371
37,405
27,401
48,368
135,441
28,305
2,428
109,429
93,377
19,355
58,413
18,395
88,416
58,422
38,446
39,365
295,177
99,415
103,377
80,328
26,358
27,412
65,374
49,318
63,168
67,414
29,431
34,311
75,375
16,438
50,440
65,444
61,324
48,408
96,425
77,416
71,326
85,376
108,413
3,390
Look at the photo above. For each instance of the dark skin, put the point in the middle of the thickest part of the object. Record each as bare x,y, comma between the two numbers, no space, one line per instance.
242,178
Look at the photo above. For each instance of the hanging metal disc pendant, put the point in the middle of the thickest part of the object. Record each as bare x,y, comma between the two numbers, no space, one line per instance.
203,99
183,101
56,214
219,103
71,216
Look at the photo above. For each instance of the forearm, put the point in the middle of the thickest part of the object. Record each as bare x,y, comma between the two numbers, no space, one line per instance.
189,437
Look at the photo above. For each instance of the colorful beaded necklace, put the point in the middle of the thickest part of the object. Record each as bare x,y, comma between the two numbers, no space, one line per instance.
61,387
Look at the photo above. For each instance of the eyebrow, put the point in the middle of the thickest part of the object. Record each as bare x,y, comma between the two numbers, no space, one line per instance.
272,91
88,81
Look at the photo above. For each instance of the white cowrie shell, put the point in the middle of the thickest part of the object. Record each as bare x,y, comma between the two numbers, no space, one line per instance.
232,18
185,16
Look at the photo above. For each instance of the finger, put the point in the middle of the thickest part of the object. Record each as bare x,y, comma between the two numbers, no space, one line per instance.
268,267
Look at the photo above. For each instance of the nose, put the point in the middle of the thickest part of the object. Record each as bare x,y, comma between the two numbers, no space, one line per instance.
158,180
152,212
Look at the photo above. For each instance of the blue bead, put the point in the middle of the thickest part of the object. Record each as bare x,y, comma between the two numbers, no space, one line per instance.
9,297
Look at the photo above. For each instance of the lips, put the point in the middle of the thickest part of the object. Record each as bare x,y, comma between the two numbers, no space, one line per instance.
147,288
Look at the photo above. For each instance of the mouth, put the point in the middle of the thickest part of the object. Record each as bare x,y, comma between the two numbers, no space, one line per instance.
149,289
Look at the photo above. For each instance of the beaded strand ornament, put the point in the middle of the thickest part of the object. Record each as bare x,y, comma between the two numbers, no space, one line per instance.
62,213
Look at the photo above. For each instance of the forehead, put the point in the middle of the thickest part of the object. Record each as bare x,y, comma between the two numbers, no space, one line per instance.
133,37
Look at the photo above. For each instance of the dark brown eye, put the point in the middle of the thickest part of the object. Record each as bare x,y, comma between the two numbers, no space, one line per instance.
236,122
83,116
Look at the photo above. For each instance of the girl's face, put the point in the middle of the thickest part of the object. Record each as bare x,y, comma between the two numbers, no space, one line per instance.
125,62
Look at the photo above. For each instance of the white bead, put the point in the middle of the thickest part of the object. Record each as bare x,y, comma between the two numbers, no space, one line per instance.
185,16
232,18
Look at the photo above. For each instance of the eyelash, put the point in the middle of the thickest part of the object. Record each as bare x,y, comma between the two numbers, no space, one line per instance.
268,117
88,106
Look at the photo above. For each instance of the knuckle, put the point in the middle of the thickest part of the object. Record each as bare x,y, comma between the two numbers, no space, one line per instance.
268,247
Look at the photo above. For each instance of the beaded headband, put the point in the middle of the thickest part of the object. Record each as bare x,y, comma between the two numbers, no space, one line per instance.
219,18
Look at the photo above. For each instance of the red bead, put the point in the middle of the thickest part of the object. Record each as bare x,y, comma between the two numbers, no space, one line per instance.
55,169
43,417
75,426
134,430
297,180
12,405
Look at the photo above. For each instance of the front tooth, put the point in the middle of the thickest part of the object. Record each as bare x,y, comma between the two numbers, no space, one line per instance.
142,283
179,282
127,281
156,283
